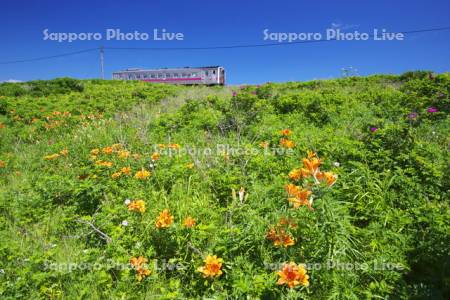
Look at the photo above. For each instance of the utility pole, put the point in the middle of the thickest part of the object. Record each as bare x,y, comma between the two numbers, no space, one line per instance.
102,62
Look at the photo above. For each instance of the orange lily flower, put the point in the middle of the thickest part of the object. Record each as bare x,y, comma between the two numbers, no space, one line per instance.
189,222
292,275
286,132
212,267
137,205
142,174
138,264
164,220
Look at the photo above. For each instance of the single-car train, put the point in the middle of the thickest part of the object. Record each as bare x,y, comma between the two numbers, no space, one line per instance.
214,75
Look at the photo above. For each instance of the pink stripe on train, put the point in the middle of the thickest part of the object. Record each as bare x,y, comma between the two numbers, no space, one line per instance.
172,79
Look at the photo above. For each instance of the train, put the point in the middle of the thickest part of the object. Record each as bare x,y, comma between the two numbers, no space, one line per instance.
211,75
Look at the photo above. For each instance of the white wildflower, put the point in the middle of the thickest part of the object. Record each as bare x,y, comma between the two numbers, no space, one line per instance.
241,194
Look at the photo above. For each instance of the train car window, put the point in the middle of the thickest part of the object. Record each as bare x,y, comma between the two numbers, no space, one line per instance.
138,76
184,75
152,75
194,74
168,75
160,75
214,71
175,75
206,73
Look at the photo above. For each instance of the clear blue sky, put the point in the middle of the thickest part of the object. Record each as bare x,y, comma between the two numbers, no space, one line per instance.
211,23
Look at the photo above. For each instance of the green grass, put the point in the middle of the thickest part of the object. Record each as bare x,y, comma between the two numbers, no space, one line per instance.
380,232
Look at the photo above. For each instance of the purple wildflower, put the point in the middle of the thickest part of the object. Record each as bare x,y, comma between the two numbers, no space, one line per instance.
412,116
432,110
373,129
234,94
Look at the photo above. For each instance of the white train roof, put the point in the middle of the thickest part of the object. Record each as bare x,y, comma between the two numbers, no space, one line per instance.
166,69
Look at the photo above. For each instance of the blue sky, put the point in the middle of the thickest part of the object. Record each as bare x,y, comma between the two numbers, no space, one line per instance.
212,23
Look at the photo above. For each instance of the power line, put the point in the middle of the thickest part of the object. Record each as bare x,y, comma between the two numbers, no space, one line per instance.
48,57
206,47
261,45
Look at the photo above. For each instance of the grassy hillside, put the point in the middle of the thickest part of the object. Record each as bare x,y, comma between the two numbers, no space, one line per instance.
129,190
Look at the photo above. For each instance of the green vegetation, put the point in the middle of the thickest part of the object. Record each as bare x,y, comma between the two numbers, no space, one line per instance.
77,156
